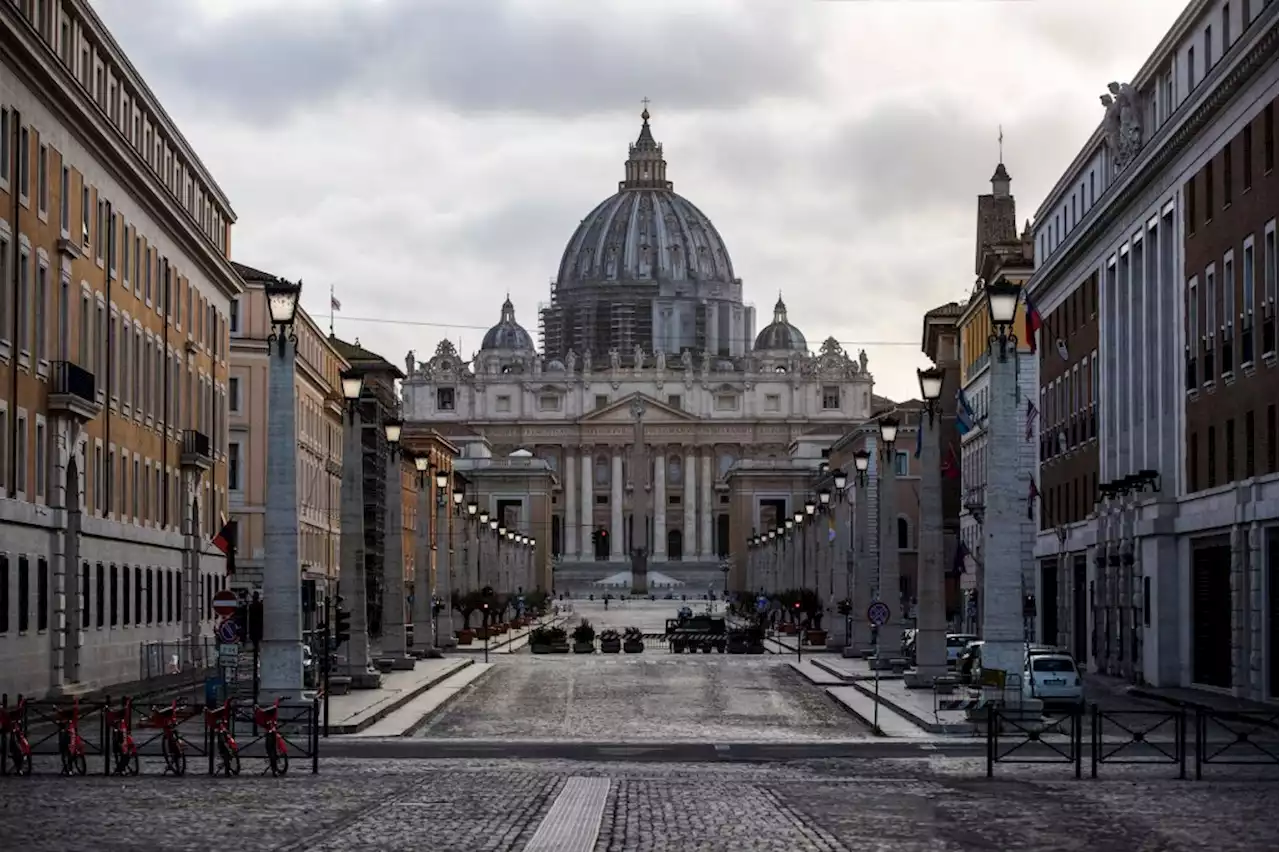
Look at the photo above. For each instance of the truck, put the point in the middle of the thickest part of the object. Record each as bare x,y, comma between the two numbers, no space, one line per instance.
695,633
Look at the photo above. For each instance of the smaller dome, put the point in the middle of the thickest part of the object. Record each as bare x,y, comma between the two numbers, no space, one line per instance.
780,335
508,334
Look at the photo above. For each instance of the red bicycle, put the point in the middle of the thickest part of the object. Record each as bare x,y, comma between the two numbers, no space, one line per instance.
218,721
166,719
277,751
70,744
11,727
123,747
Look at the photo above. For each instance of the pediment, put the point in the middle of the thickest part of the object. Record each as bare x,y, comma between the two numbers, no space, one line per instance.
619,411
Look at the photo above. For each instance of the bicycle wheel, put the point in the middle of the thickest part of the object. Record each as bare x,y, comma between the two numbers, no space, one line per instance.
175,760
79,764
277,756
127,763
230,758
21,760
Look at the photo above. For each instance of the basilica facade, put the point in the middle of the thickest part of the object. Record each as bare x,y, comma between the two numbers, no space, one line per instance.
651,384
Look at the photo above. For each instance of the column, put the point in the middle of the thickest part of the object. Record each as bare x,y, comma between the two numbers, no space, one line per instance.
707,547
588,498
689,540
569,526
394,641
351,544
889,636
1002,625
931,617
444,567
616,533
422,626
281,659
864,571
659,503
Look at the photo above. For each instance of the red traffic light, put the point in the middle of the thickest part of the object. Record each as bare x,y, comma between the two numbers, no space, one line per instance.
484,606
797,604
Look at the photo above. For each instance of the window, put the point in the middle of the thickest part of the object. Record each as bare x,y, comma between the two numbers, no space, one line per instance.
42,180
151,597
24,594
444,399
233,393
21,473
1246,284
726,402
602,400
115,596
830,398
674,401
40,316
1269,268
124,595
549,402
904,534
42,454
5,278
233,466
111,240
5,157
137,596
1191,206
503,403
85,215
902,464
1194,332
1250,436
233,316
1226,28
1212,458
1208,49
1269,137
772,402
102,228
42,593
64,202
4,592
1246,154
24,302
1226,175
86,619
24,163
100,594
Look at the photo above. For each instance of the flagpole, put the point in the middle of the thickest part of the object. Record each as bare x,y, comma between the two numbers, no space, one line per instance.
331,310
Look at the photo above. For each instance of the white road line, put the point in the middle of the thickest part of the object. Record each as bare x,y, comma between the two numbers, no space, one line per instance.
573,823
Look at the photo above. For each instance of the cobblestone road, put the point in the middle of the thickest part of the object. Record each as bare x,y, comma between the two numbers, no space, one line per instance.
938,805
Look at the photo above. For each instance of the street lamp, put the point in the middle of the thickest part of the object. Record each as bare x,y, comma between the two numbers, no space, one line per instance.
1002,307
889,591
351,542
810,507
931,644
889,431
281,660
861,462
394,639
422,588
444,622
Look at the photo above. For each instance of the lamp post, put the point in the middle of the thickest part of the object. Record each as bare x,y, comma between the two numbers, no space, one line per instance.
394,638
1006,511
863,577
458,548
422,622
352,572
931,627
470,555
483,564
444,621
887,585
281,660
494,573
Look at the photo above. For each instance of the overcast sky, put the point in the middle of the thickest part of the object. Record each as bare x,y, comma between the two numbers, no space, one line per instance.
427,156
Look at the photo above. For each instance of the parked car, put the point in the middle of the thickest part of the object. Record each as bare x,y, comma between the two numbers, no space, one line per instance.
956,643
1054,678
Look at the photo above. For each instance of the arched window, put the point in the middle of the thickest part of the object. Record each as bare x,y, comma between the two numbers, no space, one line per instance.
674,469
602,470
904,534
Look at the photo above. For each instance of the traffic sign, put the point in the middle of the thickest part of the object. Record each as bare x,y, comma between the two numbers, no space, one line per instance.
228,654
228,630
225,602
878,613
762,603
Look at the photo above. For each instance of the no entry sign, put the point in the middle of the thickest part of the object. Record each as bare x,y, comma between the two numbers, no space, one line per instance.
225,603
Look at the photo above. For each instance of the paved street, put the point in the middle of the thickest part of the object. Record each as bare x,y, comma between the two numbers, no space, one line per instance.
938,805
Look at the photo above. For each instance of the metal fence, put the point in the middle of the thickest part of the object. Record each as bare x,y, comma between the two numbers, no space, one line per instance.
44,724
1133,737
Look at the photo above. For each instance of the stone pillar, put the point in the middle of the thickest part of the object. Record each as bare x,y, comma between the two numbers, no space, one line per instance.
281,654
422,627
864,572
351,550
570,507
707,547
617,538
689,540
588,498
889,636
931,616
394,641
1006,512
659,503
444,621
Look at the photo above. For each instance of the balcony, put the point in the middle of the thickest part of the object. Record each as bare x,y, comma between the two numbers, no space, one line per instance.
73,391
195,450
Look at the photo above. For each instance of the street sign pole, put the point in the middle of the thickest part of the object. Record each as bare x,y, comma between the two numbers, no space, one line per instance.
877,615
325,664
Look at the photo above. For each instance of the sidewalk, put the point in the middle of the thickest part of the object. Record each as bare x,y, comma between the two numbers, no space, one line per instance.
405,720
360,708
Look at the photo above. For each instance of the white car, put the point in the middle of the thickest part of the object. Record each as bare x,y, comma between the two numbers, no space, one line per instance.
956,643
1054,679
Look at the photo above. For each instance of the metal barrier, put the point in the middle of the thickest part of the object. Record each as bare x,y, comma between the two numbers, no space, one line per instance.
43,723
1244,743
1137,737
1034,741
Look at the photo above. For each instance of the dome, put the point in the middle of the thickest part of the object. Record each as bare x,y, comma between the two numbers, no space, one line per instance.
645,231
508,334
780,335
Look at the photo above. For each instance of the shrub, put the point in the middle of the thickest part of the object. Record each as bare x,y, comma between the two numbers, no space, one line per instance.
609,635
548,636
584,632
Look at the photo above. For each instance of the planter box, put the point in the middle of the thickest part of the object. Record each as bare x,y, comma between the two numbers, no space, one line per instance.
584,647
633,647
482,633
465,637
815,637
560,648
755,649
540,649
787,628
610,647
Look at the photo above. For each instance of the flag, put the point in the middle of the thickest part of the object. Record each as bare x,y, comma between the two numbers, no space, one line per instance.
225,541
957,564
1034,320
334,304
1031,419
1033,494
919,438
951,467
964,413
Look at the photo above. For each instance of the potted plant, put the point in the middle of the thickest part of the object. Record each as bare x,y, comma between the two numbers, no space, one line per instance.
755,639
737,642
584,638
548,640
811,613
610,641
633,641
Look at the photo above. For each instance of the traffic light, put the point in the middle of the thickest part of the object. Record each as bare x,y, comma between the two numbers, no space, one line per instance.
341,623
255,621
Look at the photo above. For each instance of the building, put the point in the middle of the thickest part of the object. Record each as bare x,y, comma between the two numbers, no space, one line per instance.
940,341
641,418
1002,254
379,403
318,370
1158,242
115,291
440,455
